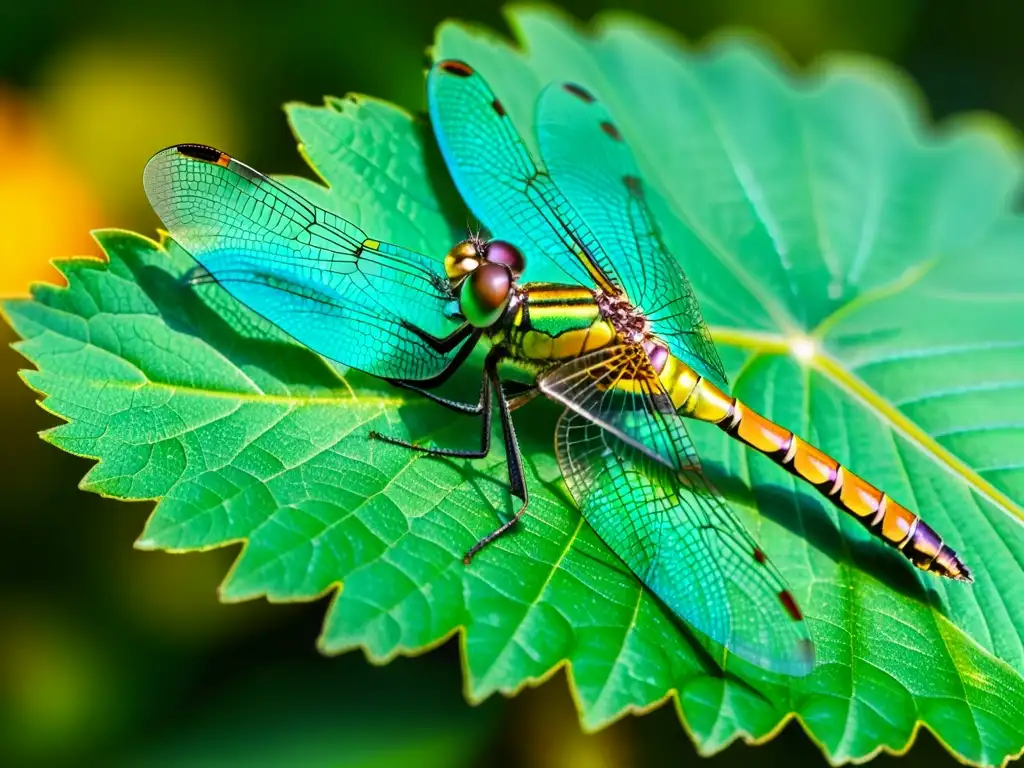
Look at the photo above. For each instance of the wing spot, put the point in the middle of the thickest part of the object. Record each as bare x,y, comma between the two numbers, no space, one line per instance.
611,131
634,185
786,598
457,68
759,555
579,92
204,153
498,107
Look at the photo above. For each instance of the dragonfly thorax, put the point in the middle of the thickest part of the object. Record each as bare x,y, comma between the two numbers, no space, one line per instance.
627,320
474,251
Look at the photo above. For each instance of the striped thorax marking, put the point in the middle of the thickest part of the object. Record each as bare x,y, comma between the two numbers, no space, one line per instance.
556,322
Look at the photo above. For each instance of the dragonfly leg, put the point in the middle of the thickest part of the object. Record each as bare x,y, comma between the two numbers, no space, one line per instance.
483,408
447,343
521,394
421,386
516,481
470,409
517,393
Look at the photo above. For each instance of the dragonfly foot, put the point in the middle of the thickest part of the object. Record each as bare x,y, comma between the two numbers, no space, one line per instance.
431,449
375,435
503,528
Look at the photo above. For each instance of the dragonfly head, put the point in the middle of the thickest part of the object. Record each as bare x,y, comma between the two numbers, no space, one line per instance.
501,252
471,253
463,259
484,273
485,294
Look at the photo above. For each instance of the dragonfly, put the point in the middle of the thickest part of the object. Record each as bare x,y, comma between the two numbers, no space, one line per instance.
614,334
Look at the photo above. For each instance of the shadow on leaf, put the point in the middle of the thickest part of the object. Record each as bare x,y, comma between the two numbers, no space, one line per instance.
802,512
200,312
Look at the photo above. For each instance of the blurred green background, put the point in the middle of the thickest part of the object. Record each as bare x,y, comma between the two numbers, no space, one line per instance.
112,656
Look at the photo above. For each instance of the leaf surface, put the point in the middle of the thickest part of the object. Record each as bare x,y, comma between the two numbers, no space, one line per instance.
862,278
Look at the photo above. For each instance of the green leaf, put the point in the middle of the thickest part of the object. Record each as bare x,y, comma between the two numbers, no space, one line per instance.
862,275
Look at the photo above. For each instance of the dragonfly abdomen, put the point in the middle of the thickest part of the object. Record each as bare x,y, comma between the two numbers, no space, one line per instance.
890,521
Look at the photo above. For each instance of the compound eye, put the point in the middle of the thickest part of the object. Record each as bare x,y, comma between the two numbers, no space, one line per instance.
501,252
461,260
485,294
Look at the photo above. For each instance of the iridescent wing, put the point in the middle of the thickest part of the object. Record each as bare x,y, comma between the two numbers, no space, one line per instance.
318,277
681,539
502,185
594,168
617,389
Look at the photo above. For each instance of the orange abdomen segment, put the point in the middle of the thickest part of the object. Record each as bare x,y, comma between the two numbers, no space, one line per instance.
886,519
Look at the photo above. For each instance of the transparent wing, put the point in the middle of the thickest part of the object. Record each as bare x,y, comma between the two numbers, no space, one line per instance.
683,541
316,276
502,185
617,389
595,169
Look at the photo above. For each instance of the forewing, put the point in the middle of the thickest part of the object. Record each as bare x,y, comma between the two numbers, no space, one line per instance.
594,168
684,542
316,276
501,183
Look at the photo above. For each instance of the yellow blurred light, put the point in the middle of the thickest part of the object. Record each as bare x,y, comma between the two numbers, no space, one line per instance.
113,103
549,734
808,28
46,209
175,596
55,682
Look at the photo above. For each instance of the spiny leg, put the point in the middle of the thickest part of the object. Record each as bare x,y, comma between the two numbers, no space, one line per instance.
522,394
447,343
469,409
482,409
513,458
517,393
421,386
517,483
